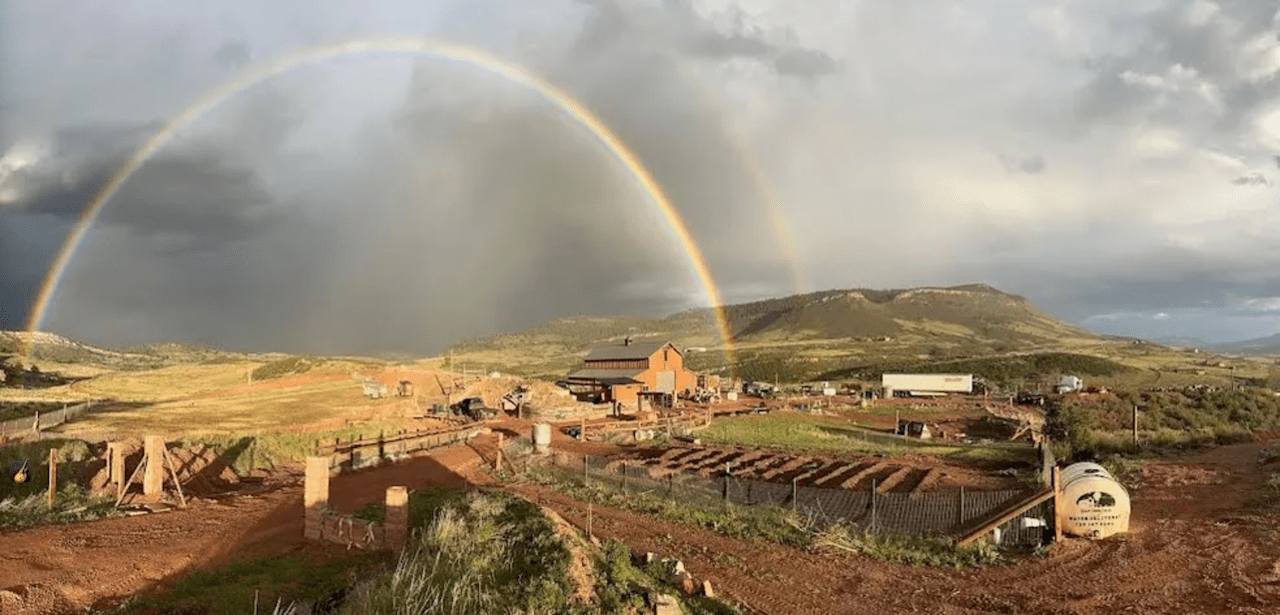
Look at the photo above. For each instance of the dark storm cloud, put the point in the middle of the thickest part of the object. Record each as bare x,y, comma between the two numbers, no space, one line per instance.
193,199
1029,165
1252,179
1169,45
1032,165
234,55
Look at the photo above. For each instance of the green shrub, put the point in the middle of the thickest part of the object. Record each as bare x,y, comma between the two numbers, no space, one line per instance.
284,367
491,553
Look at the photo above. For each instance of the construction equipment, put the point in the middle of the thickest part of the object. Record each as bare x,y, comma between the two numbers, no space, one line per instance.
474,408
517,398
374,390
404,389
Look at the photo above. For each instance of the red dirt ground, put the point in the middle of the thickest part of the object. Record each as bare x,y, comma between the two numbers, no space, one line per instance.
1189,551
50,570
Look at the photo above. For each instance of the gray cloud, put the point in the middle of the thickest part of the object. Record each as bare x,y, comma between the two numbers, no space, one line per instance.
1252,179
344,216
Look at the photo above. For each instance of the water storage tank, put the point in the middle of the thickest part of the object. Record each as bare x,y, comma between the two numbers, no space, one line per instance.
1094,504
541,437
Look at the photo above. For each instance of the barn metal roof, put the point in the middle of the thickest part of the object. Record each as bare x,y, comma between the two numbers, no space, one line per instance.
607,376
619,352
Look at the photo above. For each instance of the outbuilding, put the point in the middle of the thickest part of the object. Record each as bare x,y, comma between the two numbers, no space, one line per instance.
618,373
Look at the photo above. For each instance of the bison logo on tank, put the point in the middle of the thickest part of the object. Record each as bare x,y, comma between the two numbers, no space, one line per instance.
1096,499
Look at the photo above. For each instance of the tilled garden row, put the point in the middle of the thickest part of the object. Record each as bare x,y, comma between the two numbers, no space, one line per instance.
858,473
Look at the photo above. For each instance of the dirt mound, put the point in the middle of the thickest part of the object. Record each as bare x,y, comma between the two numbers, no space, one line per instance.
581,570
541,394
33,600
200,470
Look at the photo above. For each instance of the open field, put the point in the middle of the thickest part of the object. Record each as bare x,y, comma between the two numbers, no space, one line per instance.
799,432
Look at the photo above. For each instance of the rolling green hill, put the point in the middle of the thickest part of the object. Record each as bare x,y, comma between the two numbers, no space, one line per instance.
802,335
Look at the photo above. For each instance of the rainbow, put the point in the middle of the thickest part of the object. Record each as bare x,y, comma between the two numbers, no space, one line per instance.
751,164
399,45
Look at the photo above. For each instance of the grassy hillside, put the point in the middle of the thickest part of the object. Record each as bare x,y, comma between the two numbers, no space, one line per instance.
801,336
1261,347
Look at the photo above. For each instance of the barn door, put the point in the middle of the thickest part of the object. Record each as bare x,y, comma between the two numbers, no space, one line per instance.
667,382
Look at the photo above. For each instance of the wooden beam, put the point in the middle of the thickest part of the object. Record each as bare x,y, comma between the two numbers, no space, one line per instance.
53,475
125,485
174,473
1008,515
1057,504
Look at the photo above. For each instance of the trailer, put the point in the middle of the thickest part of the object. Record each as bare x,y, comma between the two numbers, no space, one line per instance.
928,383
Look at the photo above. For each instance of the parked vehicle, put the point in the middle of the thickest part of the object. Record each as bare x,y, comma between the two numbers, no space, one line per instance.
474,408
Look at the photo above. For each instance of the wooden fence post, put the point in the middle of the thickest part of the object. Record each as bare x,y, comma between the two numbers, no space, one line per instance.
873,505
153,475
726,483
961,513
396,518
497,464
584,470
1057,504
315,496
53,475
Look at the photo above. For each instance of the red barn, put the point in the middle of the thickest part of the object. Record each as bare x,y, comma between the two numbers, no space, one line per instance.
618,372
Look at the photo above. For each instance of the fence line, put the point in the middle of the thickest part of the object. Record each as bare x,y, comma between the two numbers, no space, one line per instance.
33,425
941,513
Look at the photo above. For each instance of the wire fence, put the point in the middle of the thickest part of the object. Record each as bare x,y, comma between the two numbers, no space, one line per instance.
29,426
937,513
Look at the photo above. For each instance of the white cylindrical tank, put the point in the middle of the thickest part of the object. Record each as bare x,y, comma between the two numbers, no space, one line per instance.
541,437
1094,503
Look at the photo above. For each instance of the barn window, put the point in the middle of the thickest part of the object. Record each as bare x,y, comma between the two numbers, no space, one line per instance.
666,356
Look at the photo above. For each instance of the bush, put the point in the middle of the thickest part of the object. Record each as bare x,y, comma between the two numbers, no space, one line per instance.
492,553
283,367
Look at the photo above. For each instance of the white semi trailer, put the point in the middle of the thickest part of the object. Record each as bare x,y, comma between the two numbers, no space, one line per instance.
928,383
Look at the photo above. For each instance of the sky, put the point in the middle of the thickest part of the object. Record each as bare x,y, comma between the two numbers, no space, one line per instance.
1116,163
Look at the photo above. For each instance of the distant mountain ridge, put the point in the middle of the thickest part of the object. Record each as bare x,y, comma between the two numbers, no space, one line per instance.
970,313
47,346
1262,346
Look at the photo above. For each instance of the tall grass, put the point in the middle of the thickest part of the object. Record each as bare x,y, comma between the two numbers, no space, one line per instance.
26,503
492,553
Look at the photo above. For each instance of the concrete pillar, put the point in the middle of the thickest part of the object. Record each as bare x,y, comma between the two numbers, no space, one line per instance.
153,476
396,517
315,497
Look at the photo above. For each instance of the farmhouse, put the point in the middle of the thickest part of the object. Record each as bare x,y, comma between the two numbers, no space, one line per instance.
927,384
618,373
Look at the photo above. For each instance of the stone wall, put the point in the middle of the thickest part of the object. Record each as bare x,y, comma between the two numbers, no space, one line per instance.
324,524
